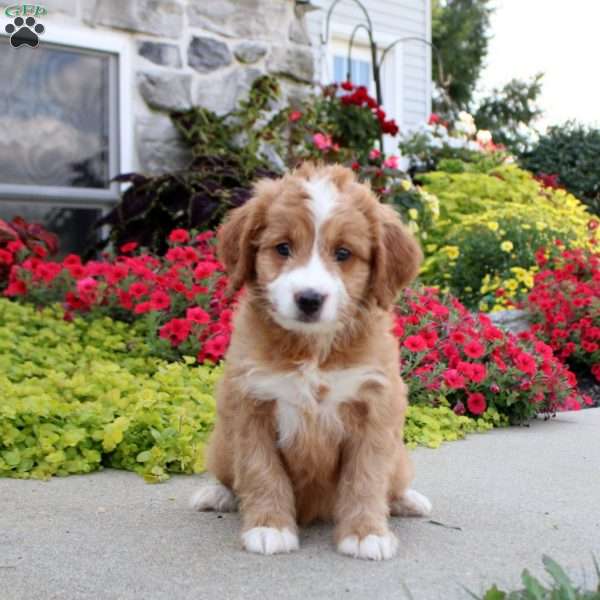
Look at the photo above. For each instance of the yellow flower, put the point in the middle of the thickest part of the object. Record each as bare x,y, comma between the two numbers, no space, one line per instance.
511,284
405,185
483,307
452,252
413,213
492,225
506,246
431,247
413,227
540,226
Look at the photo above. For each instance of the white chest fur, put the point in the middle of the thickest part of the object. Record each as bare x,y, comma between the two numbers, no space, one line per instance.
309,396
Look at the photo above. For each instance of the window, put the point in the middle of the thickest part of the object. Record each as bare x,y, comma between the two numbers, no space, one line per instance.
63,136
360,63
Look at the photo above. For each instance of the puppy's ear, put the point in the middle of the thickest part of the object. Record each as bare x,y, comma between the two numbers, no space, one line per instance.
397,257
236,238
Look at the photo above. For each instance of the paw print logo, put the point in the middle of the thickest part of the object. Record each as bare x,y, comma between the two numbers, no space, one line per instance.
24,32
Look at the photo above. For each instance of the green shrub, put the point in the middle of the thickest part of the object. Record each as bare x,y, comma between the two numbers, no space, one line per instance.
491,224
80,395
84,394
572,151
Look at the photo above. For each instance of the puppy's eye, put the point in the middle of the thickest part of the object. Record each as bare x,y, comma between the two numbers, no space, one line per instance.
283,249
342,254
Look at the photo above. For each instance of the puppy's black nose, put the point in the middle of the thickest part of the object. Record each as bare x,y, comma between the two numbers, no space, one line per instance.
309,301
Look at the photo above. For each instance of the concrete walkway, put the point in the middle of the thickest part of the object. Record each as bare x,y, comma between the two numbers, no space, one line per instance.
504,499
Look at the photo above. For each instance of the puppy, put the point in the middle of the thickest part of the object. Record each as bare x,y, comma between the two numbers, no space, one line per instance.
310,410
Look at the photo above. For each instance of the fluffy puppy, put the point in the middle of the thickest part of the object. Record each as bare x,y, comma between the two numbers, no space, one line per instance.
310,410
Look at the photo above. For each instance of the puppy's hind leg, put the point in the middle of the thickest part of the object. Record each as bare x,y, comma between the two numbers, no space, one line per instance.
217,494
404,501
214,496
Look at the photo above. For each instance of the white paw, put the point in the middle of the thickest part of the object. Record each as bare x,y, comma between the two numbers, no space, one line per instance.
268,540
412,504
214,496
371,547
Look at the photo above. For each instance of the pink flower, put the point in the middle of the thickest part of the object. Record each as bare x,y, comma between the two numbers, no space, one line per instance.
391,162
86,285
322,142
374,154
295,115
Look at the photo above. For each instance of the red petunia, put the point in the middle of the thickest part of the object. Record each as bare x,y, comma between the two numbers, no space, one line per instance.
176,331
159,300
454,379
415,343
179,236
129,247
197,315
474,349
525,363
476,403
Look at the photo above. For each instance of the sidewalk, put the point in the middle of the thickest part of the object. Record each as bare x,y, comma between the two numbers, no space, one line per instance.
507,497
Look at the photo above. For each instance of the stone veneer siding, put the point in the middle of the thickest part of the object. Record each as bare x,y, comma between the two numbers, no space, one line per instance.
195,52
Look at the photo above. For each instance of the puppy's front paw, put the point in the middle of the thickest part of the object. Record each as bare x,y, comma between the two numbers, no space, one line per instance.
269,540
411,504
214,496
371,547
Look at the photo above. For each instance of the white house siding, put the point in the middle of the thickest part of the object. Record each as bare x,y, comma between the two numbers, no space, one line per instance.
391,19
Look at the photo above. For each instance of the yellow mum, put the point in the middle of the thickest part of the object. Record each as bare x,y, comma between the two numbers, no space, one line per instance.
506,246
413,213
452,252
492,225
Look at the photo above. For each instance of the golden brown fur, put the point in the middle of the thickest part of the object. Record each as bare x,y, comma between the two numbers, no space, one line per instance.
351,473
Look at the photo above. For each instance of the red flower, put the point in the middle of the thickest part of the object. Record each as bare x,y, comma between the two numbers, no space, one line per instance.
176,331
204,269
347,85
454,379
6,257
415,343
138,289
40,250
179,236
525,363
474,349
129,247
159,300
596,371
476,403
197,315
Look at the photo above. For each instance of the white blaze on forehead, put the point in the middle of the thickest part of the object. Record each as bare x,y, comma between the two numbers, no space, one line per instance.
314,274
322,200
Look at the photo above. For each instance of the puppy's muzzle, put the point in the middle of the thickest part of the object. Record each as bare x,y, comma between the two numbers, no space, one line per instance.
309,303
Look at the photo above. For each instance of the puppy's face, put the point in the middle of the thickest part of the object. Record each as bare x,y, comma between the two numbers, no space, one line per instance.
313,247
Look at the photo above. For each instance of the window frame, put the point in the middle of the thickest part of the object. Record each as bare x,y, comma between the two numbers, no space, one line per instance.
392,77
120,124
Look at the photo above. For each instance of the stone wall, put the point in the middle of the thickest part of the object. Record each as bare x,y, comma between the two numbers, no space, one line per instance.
195,52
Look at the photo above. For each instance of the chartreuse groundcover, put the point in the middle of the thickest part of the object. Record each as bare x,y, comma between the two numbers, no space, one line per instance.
76,396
